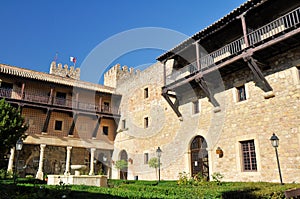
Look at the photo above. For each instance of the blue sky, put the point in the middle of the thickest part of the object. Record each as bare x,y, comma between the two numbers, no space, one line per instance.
33,31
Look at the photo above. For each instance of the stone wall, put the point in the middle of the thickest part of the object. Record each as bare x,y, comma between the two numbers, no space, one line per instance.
256,118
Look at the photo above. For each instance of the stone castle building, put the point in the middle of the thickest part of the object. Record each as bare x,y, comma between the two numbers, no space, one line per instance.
211,104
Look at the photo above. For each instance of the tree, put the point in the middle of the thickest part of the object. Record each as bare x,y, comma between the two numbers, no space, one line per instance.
121,165
153,163
12,126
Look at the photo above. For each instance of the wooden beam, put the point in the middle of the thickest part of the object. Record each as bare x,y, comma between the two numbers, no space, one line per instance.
97,127
173,106
71,131
47,120
258,74
209,95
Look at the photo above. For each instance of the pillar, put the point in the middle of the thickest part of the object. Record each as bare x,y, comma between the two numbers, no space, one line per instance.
67,171
92,161
11,160
40,174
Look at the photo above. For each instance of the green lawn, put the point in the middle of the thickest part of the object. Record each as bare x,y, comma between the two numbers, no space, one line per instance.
32,189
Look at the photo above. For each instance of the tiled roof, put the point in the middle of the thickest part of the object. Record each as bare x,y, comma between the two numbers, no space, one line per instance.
231,16
35,75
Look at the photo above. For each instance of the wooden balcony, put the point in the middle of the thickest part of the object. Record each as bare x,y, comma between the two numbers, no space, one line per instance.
276,31
60,103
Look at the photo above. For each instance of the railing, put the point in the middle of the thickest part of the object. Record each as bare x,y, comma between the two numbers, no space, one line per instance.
281,25
45,99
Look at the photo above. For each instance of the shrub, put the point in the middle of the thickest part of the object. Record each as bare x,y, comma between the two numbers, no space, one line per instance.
217,177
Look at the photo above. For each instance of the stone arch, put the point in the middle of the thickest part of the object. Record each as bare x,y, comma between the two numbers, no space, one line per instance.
199,157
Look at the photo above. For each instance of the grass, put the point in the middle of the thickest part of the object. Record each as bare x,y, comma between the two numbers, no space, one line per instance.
30,188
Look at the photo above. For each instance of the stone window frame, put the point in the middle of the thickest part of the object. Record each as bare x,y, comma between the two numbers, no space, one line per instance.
146,92
62,125
146,158
146,122
238,155
235,92
246,148
123,124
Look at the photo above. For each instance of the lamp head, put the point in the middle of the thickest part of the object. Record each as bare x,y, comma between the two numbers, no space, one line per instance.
19,144
158,152
274,140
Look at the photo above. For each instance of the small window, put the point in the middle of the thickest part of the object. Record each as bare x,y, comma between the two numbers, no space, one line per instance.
146,93
58,125
106,106
241,93
249,155
105,130
196,107
123,124
146,122
146,158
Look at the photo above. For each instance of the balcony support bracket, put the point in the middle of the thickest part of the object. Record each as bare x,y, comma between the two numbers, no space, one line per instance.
47,120
175,105
261,80
203,85
97,127
71,131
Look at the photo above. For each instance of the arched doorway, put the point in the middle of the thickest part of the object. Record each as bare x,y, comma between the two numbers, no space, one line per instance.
123,172
199,157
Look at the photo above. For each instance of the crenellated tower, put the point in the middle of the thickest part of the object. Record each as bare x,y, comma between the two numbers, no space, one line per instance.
64,71
117,73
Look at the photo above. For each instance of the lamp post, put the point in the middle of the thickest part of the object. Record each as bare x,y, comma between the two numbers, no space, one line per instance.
19,146
158,153
275,143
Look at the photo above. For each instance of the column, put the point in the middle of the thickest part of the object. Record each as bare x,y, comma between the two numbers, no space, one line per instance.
244,26
11,160
67,171
40,174
92,161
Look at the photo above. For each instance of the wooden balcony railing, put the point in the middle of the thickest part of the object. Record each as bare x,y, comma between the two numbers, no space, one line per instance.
281,25
67,103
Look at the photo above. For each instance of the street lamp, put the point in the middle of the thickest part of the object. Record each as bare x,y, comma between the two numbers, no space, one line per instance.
158,153
275,143
19,146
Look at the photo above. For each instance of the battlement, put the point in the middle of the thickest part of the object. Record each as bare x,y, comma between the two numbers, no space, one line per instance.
116,73
64,71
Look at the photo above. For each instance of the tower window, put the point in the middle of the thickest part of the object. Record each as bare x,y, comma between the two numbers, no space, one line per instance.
146,122
146,93
146,158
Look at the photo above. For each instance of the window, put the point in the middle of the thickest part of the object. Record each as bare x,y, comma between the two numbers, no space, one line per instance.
146,158
106,106
146,122
61,98
195,107
6,89
146,93
105,130
241,93
249,155
123,124
58,125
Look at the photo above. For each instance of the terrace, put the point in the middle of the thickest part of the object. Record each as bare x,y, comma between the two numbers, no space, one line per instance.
230,47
